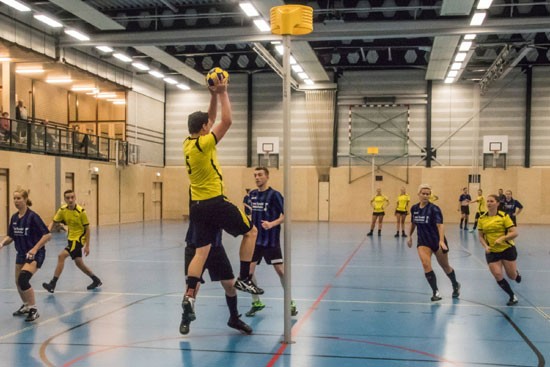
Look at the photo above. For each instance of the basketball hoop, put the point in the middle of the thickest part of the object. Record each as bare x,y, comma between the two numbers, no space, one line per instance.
496,154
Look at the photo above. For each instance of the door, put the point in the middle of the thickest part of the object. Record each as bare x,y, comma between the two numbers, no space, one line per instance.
324,201
4,202
157,200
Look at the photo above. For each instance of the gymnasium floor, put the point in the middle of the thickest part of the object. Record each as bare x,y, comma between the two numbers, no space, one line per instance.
362,302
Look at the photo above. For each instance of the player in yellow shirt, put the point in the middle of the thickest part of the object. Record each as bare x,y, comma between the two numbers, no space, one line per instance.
401,211
209,209
496,234
78,236
481,208
378,203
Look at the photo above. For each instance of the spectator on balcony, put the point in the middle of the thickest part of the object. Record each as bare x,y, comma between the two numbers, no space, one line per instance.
5,130
21,116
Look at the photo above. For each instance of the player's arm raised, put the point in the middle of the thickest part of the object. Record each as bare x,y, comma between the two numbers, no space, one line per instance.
221,128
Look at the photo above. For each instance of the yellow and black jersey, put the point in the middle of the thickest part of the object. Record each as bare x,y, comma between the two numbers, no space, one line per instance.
403,202
76,220
205,174
481,207
494,227
379,203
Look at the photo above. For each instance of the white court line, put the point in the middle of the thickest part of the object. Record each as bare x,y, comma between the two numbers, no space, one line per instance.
52,319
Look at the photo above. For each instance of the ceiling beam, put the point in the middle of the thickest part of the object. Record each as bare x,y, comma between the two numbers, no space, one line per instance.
322,32
172,62
88,14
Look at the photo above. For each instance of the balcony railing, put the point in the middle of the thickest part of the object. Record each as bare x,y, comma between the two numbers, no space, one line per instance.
42,138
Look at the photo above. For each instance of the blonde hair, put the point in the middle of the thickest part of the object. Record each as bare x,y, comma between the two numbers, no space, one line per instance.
25,194
424,186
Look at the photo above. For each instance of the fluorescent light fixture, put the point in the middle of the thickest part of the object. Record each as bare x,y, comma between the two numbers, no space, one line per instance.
29,71
470,36
308,81
170,81
156,74
16,5
280,49
249,9
47,20
76,34
4,59
478,18
105,49
140,66
303,76
83,88
119,102
122,57
449,80
452,73
262,25
293,60
461,56
59,80
465,46
183,86
275,42
105,95
484,4
456,66
297,68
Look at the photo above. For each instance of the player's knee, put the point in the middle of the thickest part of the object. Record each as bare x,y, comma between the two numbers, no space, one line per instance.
24,280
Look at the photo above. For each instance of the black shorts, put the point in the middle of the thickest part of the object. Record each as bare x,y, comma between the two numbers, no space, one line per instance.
465,209
39,258
74,248
435,247
402,212
272,255
378,214
510,254
208,216
217,263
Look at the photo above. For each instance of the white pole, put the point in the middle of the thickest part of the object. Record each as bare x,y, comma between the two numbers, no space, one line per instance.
372,178
287,191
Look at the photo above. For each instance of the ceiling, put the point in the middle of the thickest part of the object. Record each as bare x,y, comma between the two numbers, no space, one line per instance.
189,37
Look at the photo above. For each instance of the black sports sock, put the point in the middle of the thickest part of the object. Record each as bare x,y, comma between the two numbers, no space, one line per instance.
94,278
452,276
245,270
232,305
54,281
432,280
461,221
506,287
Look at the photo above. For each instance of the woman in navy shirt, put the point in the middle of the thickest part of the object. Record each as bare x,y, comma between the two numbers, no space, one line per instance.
427,217
511,206
30,234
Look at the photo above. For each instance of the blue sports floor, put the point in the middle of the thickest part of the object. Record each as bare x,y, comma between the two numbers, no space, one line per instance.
362,302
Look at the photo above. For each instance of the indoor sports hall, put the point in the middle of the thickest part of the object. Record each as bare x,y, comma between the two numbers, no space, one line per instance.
363,112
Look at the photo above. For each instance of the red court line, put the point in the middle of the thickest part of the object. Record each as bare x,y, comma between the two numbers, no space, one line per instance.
296,328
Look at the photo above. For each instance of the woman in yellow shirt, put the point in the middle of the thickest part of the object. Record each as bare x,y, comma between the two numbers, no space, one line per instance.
496,234
403,201
378,203
481,208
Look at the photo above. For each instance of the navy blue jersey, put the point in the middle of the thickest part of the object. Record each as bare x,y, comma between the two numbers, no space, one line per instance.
247,206
509,207
190,240
426,220
27,231
464,197
266,205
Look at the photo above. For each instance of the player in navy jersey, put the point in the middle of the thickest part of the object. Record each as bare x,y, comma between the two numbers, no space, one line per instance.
30,234
427,217
267,206
511,206
464,207
219,268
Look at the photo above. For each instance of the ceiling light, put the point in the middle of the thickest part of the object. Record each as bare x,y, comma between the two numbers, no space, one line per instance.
456,66
461,56
106,95
47,20
297,68
280,49
308,81
293,60
452,73
140,66
470,36
4,59
484,4
29,71
76,34
249,9
59,80
170,81
449,80
105,49
478,18
119,102
156,74
16,5
83,88
303,76
465,46
183,86
122,57
262,25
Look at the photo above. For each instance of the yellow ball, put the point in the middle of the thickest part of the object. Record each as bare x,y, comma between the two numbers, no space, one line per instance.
216,76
